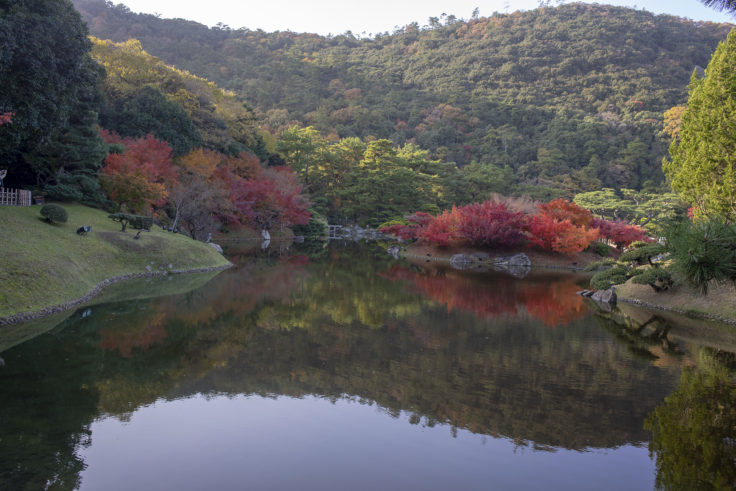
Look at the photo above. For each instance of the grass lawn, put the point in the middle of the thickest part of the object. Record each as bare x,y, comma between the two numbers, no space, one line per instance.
43,265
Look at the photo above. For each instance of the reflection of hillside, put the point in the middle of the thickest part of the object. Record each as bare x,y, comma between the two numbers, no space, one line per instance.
328,328
553,302
569,388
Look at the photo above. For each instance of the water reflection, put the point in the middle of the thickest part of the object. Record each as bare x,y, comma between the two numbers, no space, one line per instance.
517,360
694,430
546,297
312,443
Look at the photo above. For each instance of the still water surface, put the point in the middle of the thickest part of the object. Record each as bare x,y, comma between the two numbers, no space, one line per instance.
350,370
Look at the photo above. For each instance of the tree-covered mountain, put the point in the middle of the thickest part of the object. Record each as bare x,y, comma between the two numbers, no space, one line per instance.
144,95
570,98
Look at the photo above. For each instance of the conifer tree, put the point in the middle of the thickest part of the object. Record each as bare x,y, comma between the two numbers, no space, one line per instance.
703,166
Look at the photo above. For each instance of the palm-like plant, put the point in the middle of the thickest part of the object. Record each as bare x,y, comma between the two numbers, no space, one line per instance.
729,5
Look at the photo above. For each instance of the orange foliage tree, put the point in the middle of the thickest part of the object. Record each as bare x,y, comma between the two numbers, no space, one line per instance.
138,177
561,209
559,235
443,229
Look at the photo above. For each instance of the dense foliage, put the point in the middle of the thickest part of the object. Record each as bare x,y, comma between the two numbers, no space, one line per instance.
553,101
344,176
49,85
201,190
559,226
646,209
54,213
703,169
139,176
144,95
547,102
110,125
704,253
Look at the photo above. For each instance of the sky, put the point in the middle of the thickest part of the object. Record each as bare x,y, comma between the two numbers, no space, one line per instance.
372,16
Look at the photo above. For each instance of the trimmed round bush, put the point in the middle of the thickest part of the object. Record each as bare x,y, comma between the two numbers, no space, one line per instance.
54,213
604,280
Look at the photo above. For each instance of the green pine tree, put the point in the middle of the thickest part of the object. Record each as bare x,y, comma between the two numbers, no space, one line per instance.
703,163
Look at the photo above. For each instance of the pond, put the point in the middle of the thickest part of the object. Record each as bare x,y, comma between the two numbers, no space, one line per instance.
347,369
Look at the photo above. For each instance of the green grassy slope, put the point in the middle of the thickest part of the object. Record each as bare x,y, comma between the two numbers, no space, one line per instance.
42,265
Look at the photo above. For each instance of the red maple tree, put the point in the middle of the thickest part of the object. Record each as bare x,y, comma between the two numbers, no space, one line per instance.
561,209
619,232
138,177
491,224
551,234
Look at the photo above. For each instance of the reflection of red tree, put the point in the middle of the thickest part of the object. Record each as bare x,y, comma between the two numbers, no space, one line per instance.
129,335
552,302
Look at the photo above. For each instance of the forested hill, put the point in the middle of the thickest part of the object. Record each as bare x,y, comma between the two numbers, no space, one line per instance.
569,98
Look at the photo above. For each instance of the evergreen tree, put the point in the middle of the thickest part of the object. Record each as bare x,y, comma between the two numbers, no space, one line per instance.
44,71
149,111
71,161
703,166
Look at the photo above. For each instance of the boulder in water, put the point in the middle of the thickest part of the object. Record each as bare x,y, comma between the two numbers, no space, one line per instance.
517,265
461,261
605,297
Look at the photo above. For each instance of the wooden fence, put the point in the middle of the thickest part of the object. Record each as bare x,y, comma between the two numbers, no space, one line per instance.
15,197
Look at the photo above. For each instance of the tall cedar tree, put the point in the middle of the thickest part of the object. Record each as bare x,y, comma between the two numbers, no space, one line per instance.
703,166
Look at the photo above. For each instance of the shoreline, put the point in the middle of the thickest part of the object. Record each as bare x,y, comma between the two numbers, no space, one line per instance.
691,314
96,290
574,269
685,313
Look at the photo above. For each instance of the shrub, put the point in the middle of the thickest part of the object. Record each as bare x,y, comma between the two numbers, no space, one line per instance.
600,265
316,228
620,233
704,252
491,224
643,254
604,280
135,221
559,236
561,210
141,222
54,213
600,248
658,278
443,228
